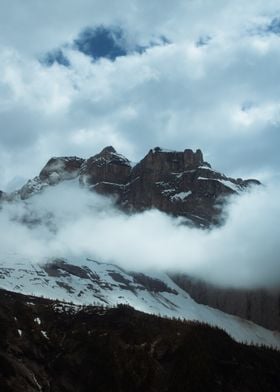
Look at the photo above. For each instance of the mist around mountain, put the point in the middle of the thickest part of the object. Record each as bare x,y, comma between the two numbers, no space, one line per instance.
170,211
158,236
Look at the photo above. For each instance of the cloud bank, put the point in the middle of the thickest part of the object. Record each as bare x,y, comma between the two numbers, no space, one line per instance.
67,221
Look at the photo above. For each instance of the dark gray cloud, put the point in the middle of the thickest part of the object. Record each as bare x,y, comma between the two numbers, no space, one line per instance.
203,40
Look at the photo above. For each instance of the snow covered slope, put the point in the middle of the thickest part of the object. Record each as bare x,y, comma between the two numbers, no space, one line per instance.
87,281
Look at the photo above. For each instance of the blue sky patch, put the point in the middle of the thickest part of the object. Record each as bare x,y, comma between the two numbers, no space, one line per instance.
101,42
274,26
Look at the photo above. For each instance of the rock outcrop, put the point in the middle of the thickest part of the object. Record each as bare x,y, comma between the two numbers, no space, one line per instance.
178,183
106,170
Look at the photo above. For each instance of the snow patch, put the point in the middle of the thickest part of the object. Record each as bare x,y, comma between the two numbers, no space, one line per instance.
181,196
44,333
37,320
167,192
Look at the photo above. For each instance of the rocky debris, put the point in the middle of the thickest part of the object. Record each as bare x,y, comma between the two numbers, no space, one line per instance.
179,183
55,346
261,306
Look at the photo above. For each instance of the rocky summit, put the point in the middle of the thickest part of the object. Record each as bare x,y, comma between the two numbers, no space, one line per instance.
180,183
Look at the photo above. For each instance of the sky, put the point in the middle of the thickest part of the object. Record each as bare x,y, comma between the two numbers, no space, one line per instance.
77,76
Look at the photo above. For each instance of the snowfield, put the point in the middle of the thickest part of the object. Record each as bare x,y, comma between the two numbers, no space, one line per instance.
86,282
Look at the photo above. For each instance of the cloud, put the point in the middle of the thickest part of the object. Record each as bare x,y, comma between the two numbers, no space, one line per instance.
176,95
242,253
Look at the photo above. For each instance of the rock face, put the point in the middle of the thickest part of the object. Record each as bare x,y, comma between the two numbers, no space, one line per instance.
106,169
178,183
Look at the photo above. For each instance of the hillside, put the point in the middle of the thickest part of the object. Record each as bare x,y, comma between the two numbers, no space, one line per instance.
51,346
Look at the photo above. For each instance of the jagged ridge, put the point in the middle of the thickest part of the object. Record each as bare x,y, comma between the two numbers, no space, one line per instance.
178,183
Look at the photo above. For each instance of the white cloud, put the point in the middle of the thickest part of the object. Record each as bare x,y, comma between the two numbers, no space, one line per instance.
176,95
242,253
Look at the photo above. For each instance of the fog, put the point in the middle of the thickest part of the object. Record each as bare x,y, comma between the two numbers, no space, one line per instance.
71,222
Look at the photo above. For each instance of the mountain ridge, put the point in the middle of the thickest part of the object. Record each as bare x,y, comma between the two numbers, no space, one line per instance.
85,281
179,183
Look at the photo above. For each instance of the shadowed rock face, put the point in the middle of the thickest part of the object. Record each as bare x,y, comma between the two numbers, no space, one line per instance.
179,183
169,181
160,162
107,167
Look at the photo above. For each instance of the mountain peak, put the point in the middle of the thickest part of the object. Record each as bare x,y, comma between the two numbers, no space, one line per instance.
108,150
179,183
190,156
